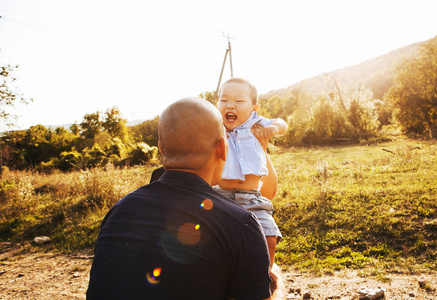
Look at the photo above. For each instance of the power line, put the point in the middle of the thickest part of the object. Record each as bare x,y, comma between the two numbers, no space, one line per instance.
6,12
17,13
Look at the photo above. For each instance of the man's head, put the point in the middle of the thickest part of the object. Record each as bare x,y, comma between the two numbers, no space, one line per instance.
192,137
238,99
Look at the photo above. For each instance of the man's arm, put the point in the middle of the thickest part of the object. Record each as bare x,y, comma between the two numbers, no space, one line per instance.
270,182
280,292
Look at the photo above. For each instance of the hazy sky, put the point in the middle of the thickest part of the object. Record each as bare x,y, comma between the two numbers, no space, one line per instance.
82,56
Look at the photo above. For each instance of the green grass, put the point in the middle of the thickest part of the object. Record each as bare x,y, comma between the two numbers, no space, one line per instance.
358,206
338,207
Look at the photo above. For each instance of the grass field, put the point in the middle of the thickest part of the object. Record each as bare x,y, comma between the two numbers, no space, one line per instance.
338,207
357,206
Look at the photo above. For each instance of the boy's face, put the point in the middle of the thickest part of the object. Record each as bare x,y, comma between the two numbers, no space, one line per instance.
235,104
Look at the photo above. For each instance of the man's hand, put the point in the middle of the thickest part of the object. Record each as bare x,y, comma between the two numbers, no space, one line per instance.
279,293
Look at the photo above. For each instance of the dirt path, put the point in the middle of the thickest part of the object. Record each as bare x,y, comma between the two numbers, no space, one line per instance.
55,276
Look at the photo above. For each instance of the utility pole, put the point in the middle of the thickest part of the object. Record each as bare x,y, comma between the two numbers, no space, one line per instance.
229,37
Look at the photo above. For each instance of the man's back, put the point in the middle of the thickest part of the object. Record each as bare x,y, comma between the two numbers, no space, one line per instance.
178,239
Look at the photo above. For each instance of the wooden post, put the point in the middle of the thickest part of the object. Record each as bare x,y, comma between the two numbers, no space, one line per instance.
224,63
230,57
221,74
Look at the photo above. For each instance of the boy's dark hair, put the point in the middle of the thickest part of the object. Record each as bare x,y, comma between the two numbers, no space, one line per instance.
253,91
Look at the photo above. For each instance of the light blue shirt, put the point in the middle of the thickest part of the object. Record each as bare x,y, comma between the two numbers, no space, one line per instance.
245,154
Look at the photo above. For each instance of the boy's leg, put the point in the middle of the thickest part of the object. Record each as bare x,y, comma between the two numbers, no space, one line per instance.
271,243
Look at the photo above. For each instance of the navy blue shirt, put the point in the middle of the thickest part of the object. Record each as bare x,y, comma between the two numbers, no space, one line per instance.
177,238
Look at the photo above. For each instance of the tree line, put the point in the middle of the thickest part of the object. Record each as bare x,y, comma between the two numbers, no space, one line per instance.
99,140
343,113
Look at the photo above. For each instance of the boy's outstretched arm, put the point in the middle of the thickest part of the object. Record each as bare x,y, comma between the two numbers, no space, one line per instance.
277,128
281,125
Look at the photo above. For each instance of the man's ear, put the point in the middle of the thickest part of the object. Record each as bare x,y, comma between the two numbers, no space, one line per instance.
257,107
222,148
159,147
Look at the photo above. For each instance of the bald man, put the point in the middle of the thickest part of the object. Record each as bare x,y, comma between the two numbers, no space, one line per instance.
176,238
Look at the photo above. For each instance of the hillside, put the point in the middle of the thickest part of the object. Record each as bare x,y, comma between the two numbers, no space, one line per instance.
376,73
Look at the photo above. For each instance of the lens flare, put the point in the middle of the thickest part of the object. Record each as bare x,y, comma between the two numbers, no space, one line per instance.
153,278
207,204
157,272
189,234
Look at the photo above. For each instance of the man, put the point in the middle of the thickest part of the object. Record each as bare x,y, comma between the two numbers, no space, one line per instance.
176,238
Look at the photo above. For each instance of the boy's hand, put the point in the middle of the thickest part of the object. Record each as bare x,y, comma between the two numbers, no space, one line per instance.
264,133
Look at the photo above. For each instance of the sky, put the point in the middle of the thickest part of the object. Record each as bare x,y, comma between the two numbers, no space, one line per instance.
82,56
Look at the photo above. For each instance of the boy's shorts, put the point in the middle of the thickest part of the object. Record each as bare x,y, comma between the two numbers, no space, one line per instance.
259,205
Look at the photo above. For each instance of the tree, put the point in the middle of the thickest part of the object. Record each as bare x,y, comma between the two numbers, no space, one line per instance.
37,145
8,93
91,125
8,98
114,124
15,142
271,108
414,92
146,132
210,97
62,139
75,129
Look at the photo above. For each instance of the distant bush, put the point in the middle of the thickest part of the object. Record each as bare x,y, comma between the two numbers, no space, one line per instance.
69,160
142,153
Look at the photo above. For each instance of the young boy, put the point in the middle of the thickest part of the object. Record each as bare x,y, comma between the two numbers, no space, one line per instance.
246,161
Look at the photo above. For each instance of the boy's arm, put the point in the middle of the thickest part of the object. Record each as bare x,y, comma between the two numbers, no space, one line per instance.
281,126
277,128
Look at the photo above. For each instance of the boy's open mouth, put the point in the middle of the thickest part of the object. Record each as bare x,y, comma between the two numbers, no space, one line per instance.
231,117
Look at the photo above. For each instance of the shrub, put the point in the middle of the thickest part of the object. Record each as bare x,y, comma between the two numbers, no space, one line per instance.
69,160
142,153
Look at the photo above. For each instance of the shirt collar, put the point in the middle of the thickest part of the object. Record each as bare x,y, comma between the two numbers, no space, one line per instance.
253,118
183,178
